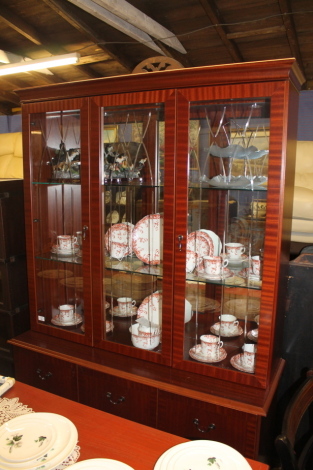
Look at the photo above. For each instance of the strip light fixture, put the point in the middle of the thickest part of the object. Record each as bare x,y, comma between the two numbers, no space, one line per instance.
38,64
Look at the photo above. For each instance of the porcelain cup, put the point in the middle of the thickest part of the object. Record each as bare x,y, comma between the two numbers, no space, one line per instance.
66,242
144,341
256,265
248,356
234,250
125,304
66,314
191,261
213,265
210,345
228,324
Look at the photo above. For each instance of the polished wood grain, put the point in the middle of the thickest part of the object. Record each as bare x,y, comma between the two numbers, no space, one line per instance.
102,435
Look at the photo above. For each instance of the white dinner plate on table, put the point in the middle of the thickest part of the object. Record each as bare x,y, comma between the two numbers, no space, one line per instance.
29,453
202,455
100,464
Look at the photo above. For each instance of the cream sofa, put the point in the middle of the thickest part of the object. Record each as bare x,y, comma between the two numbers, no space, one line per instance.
11,155
302,217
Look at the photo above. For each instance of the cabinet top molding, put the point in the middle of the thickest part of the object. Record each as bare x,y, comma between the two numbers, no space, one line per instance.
260,71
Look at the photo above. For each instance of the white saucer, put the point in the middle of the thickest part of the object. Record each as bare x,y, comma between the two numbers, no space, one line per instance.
117,313
76,320
236,363
246,273
196,354
215,329
253,335
236,262
224,275
57,251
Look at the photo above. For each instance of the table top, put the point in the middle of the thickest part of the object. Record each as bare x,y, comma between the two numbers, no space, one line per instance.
102,435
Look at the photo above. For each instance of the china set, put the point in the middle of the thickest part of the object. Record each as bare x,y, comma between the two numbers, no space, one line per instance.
67,316
68,245
36,441
204,257
211,348
144,239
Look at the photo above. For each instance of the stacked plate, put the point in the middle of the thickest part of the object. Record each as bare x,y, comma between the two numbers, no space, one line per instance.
36,441
100,464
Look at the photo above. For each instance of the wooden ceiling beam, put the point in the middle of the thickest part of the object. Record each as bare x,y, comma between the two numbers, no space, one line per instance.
69,15
27,31
23,28
9,96
291,31
215,17
257,32
132,15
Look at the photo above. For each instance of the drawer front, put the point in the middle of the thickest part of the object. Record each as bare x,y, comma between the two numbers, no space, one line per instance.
194,419
45,372
118,396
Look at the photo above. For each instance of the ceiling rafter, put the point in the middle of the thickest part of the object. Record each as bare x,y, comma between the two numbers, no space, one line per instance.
30,33
216,20
20,26
132,15
70,16
104,15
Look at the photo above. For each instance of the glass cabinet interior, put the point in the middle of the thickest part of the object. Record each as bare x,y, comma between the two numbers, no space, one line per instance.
132,220
55,143
227,198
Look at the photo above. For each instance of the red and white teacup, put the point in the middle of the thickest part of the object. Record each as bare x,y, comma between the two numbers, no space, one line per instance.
210,346
213,265
234,250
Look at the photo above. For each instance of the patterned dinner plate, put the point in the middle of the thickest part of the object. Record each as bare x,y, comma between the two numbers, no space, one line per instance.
100,464
148,239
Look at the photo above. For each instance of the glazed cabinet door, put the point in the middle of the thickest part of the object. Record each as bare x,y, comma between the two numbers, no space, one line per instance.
230,221
136,234
57,225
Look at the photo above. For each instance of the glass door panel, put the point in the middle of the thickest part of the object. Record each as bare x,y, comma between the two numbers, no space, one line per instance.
228,172
132,222
56,195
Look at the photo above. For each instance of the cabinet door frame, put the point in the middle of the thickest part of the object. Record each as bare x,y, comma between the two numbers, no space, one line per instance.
30,224
128,99
276,230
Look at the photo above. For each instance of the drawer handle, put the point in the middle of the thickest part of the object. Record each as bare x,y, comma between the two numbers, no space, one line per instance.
119,400
43,376
209,427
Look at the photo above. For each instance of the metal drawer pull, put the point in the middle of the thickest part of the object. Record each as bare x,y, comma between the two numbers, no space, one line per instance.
119,400
209,428
43,376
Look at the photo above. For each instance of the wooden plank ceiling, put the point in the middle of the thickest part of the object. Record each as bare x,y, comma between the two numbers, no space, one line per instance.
198,32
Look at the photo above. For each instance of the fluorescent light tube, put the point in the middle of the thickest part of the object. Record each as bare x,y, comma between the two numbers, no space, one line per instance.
48,62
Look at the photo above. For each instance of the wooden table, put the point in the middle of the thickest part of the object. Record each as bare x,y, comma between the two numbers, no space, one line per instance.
102,435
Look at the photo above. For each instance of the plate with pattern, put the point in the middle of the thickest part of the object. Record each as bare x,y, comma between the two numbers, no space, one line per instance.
151,308
120,233
148,239
202,455
202,244
36,440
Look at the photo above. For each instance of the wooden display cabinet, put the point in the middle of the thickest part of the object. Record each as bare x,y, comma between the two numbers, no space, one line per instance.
149,176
